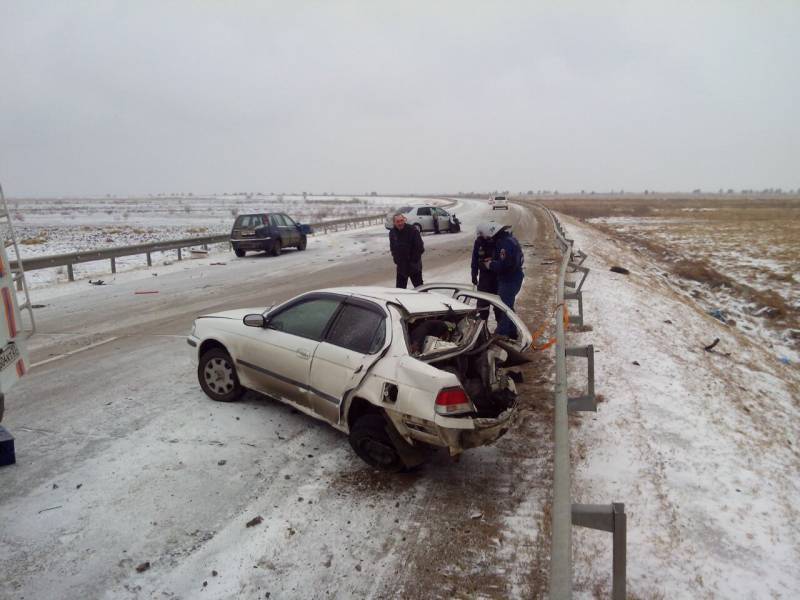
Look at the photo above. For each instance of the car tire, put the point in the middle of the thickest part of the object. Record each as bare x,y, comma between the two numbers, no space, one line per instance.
419,227
276,248
372,444
303,243
239,252
455,227
217,375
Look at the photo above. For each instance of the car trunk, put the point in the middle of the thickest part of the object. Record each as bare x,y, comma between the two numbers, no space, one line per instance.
461,344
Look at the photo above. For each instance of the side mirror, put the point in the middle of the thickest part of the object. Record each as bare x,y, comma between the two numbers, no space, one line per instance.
255,320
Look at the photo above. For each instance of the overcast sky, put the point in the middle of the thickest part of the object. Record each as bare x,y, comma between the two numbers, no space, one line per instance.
212,96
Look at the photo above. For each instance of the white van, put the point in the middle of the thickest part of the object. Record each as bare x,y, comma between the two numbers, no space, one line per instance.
498,202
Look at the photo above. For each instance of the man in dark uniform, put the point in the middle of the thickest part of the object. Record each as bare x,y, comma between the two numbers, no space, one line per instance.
406,245
506,262
485,279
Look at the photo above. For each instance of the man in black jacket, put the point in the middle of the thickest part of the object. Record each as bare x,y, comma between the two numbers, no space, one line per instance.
406,245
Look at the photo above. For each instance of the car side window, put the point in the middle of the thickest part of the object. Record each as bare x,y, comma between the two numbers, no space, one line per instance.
424,211
288,221
359,329
307,319
275,221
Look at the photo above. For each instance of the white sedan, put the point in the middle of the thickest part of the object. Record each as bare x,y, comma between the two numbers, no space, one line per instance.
399,371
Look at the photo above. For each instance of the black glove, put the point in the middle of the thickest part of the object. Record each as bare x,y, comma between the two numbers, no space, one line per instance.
474,280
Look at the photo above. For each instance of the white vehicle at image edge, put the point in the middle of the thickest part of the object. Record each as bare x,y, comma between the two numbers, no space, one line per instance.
498,202
402,372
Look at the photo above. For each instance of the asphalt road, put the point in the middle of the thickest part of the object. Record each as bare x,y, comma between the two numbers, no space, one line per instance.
123,461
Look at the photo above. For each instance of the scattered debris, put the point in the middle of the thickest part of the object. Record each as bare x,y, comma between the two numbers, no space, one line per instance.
143,567
97,282
214,573
620,270
476,515
51,508
784,360
55,486
79,486
167,263
198,253
668,322
711,346
254,521
636,362
719,315
38,305
222,462
218,264
154,274
138,292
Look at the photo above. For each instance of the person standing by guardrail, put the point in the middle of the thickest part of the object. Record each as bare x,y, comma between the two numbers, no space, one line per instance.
407,247
482,277
506,262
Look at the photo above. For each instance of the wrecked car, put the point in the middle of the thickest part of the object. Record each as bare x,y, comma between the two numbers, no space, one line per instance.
401,372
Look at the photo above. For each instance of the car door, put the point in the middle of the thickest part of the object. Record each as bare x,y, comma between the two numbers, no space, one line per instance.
424,218
278,357
444,219
352,343
291,227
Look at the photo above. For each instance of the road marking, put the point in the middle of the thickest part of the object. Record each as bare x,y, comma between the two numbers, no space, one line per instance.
71,352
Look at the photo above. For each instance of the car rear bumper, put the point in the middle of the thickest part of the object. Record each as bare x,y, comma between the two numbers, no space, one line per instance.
464,433
252,243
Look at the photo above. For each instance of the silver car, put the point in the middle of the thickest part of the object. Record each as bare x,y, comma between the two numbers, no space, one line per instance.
401,372
422,218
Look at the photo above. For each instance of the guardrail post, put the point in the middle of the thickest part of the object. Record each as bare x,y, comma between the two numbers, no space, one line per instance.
70,273
611,518
587,402
180,256
149,259
113,265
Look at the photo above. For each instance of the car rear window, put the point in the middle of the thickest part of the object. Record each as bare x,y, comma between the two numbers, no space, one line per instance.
359,329
249,221
424,211
502,198
405,209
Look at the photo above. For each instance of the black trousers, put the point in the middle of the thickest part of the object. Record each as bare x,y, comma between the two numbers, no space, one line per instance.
487,283
402,279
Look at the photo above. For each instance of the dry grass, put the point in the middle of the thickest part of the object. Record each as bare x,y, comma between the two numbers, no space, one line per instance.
748,246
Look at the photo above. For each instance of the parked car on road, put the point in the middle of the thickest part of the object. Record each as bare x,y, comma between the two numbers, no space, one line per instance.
267,233
422,217
400,371
498,202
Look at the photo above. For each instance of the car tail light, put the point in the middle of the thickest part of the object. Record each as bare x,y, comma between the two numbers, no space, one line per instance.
453,401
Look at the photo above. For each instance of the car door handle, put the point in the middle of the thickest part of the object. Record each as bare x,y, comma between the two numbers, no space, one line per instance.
303,354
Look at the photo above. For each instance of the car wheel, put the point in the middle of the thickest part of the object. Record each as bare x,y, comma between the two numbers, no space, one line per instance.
419,227
239,252
276,248
303,243
217,375
372,443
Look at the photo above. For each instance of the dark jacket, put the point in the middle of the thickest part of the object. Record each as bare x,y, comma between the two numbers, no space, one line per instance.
481,250
508,257
407,248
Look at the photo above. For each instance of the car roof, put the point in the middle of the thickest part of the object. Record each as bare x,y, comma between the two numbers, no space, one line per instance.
412,301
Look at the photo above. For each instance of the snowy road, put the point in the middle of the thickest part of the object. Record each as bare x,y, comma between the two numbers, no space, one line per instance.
122,460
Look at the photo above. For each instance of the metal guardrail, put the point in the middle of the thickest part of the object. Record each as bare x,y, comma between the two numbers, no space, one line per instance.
565,514
72,258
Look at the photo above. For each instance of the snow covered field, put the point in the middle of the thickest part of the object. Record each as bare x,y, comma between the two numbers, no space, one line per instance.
61,225
701,446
